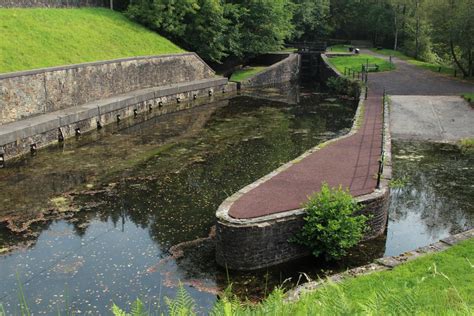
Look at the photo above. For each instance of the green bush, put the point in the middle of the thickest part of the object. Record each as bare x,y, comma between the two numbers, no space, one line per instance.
344,86
331,226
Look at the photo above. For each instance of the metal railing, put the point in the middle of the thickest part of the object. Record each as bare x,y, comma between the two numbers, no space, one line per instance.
382,153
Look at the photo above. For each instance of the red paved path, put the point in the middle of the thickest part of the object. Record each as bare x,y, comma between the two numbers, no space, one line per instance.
351,162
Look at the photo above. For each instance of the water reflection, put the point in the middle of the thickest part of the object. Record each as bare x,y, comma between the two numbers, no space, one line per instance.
437,198
144,189
148,187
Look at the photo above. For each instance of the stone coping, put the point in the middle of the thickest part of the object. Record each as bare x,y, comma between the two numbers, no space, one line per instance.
10,132
222,213
269,68
223,210
95,63
382,264
325,58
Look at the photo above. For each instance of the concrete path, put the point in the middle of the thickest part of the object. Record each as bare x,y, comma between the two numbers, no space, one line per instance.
353,161
432,118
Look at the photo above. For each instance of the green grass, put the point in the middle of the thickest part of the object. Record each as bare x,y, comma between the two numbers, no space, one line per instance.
437,284
466,145
246,73
340,48
355,62
469,97
422,64
36,38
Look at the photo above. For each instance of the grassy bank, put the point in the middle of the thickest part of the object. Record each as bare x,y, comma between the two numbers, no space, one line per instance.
340,48
436,284
36,38
246,73
355,62
422,64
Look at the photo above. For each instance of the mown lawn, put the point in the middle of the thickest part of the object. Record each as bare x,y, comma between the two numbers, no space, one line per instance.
355,62
340,48
422,64
36,38
437,284
246,73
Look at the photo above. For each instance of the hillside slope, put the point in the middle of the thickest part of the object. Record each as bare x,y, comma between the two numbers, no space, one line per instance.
37,38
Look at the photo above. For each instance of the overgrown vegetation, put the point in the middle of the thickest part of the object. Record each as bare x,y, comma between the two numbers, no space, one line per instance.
246,73
36,38
218,29
344,86
469,97
355,62
466,145
432,66
436,284
331,225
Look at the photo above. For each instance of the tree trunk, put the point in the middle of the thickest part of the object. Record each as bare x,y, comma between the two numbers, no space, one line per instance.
395,45
453,53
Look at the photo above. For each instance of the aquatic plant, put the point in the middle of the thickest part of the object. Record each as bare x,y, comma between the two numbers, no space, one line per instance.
331,226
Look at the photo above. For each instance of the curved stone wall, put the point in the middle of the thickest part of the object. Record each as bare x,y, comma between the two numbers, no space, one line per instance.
249,244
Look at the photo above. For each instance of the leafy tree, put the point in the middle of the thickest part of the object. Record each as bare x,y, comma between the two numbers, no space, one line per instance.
310,19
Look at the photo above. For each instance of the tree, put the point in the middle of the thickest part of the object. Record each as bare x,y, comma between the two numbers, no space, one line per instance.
310,19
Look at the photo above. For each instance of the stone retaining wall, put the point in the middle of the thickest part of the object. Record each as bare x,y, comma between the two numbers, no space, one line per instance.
249,244
16,138
285,70
53,3
28,93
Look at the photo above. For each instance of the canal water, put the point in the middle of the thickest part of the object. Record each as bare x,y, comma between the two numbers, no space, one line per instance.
135,203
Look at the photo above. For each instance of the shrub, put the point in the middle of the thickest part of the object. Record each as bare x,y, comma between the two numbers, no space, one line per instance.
331,226
344,86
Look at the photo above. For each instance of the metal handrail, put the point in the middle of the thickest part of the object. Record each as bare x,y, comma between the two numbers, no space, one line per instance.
382,154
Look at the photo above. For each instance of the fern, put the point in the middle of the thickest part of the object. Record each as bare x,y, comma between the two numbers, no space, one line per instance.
182,305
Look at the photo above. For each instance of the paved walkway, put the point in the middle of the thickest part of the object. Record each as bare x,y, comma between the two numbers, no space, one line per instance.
351,162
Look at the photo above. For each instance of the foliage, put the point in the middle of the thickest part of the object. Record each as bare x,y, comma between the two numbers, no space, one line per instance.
331,225
399,183
466,145
469,97
246,73
138,309
37,38
216,29
182,305
344,86
440,284
310,20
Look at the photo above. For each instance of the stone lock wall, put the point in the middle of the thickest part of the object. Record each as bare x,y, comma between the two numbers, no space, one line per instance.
27,93
285,70
249,244
53,3
260,244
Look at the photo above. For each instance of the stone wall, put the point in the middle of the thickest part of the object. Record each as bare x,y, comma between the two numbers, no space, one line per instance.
53,3
326,70
249,244
285,70
29,93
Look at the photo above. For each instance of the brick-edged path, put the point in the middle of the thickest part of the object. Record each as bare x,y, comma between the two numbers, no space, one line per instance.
351,162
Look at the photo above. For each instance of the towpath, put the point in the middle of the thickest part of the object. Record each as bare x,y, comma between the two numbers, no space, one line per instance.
352,161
